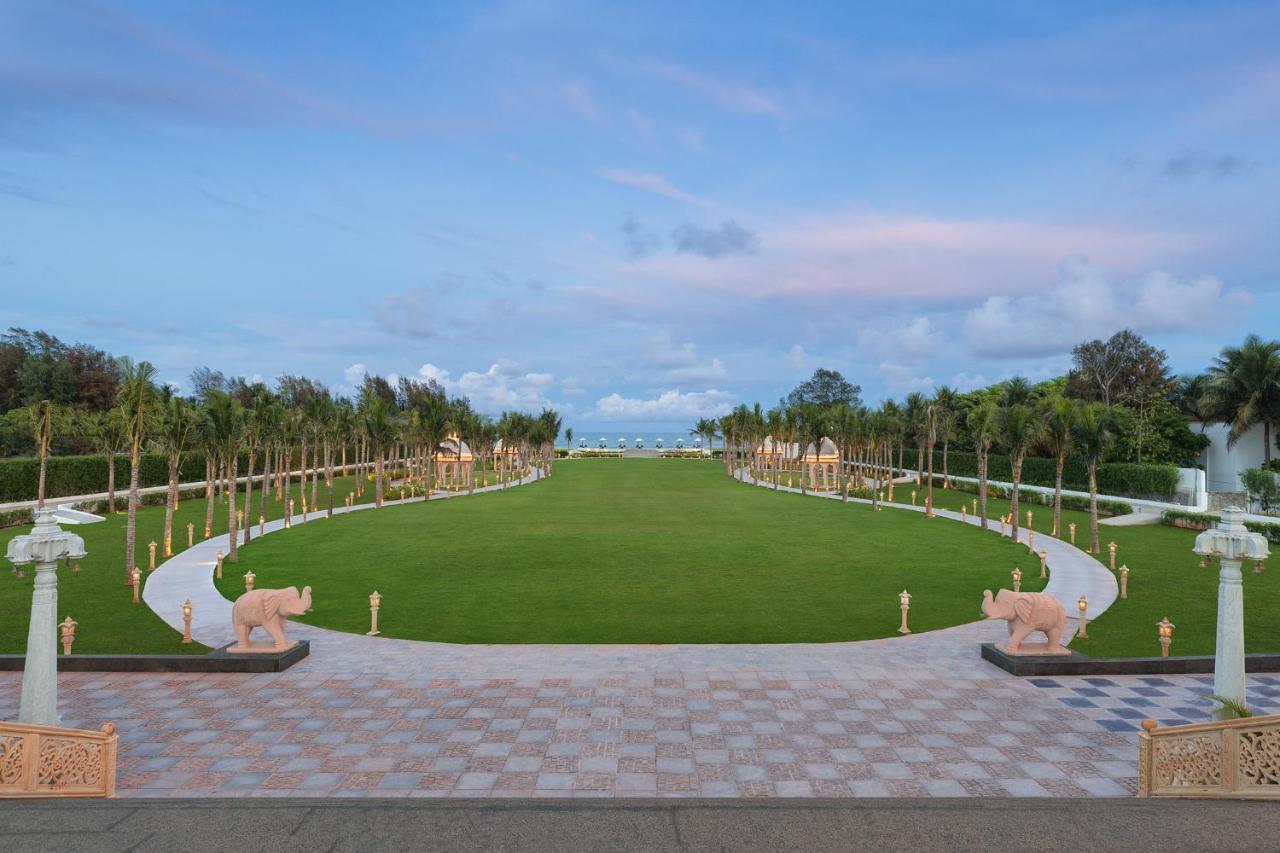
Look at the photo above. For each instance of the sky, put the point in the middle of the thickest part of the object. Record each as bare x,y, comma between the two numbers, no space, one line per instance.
638,214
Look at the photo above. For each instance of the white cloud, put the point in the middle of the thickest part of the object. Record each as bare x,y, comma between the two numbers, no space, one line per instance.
577,95
797,357
733,97
902,378
1086,304
668,406
665,351
503,386
963,382
650,183
355,374
698,372
912,343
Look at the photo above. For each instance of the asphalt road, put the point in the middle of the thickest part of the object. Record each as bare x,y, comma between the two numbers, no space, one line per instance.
638,825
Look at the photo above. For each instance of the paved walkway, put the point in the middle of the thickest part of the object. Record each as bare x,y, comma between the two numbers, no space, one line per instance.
189,573
918,715
1072,572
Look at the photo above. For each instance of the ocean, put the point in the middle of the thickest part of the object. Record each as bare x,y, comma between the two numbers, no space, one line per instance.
649,438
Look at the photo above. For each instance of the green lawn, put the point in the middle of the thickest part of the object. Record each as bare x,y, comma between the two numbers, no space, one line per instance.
1165,579
638,551
97,596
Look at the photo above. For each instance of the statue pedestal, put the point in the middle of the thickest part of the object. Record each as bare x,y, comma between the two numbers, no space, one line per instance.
259,648
1033,650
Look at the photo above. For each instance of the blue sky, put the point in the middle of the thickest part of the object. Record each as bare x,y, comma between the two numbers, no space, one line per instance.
638,213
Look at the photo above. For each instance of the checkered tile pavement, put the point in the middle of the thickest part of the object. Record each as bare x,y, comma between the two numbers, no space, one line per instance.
920,715
1120,703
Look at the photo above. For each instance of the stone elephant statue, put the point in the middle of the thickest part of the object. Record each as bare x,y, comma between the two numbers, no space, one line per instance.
1027,612
269,608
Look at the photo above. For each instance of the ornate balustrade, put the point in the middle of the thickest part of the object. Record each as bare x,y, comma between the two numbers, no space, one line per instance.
1229,758
47,761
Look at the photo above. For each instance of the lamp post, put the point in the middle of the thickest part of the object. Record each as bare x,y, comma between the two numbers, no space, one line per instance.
1017,579
1083,606
975,507
1111,546
218,569
44,546
67,627
151,565
1029,516
1072,528
248,580
191,534
1031,540
375,601
964,515
913,497
1165,629
1044,561
262,525
135,580
186,621
1124,581
904,604
1233,543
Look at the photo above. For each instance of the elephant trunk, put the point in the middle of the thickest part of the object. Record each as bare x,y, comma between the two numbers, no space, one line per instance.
306,599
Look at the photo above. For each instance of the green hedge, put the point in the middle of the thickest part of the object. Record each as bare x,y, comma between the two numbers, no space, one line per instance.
85,475
1157,482
1076,502
1203,521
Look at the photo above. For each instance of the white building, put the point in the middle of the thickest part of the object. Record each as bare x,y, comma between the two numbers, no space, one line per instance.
1222,465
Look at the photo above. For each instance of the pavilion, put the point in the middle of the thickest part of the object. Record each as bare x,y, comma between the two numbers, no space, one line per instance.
455,464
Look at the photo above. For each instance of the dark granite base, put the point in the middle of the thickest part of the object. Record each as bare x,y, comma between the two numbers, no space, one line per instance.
216,661
1078,664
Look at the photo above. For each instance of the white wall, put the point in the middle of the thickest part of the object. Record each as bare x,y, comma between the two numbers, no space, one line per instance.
1223,466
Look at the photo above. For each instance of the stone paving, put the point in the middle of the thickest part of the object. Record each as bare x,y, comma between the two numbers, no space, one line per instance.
918,715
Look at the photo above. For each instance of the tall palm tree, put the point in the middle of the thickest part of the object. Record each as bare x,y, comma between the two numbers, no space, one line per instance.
1244,390
1059,415
984,424
568,439
931,411
137,397
915,414
551,423
43,419
1020,428
380,424
1093,434
224,417
176,426
947,411
433,422
106,432
260,425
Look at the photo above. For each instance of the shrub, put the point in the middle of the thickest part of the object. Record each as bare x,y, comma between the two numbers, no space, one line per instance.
1203,521
1081,503
1263,487
1158,482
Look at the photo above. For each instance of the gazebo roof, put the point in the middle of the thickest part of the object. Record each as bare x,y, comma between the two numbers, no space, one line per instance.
448,450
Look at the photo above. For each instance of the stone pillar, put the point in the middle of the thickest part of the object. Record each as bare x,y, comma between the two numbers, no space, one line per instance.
39,703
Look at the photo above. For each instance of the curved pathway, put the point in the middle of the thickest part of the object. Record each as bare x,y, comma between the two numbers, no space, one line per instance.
918,715
1072,571
189,574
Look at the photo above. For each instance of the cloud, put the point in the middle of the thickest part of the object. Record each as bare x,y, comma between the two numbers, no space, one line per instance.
912,343
637,241
797,357
733,97
641,124
712,372
503,386
903,378
577,95
666,352
668,406
1194,163
711,243
650,183
1086,304
413,313
355,374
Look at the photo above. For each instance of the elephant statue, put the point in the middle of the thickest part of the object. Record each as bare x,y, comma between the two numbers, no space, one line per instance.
270,608
1026,612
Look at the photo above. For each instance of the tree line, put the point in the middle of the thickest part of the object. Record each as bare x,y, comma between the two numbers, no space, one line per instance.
1118,403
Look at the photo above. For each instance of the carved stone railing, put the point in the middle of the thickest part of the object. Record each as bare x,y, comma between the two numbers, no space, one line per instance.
1228,758
47,761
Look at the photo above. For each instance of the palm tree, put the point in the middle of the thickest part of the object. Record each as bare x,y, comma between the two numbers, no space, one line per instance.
1020,428
1093,434
433,422
551,423
106,432
983,424
1059,415
568,439
260,424
172,438
137,397
1244,390
380,424
43,419
931,411
947,410
915,413
224,417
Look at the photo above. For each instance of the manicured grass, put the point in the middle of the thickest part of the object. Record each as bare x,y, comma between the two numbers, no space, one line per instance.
97,597
635,551
1164,580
